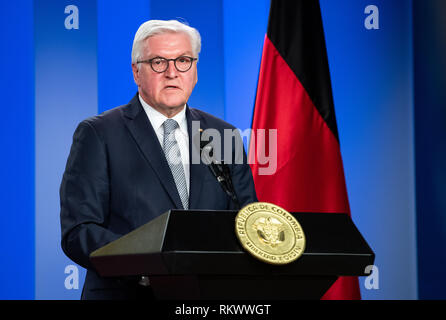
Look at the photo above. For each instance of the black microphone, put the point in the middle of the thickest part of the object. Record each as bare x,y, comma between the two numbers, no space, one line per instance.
220,171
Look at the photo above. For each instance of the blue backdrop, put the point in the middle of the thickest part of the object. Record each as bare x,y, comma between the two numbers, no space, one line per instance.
55,73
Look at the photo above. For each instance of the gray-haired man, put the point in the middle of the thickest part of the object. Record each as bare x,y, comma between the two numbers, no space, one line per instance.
119,173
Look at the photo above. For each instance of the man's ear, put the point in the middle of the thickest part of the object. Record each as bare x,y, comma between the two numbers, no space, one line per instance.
135,73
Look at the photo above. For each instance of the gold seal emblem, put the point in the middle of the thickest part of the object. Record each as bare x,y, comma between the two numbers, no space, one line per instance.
269,233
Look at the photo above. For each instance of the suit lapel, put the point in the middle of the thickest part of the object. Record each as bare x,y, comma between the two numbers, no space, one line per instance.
142,131
197,171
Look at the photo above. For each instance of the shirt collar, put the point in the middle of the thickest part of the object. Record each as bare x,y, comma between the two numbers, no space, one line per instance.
157,118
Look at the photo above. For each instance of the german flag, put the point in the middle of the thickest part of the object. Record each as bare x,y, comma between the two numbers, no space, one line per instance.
294,97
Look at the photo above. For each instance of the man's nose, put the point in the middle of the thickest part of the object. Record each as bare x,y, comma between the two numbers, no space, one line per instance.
171,71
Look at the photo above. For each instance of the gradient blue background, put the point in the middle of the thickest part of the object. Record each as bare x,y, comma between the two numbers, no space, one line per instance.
388,87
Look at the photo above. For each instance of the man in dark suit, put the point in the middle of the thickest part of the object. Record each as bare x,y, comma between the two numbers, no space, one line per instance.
133,163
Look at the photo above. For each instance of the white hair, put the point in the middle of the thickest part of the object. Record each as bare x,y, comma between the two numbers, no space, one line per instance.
155,27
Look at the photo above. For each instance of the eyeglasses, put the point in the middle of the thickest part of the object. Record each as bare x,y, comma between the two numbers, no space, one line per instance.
160,64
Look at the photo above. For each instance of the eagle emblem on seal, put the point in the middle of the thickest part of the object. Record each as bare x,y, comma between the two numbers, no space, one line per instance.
269,230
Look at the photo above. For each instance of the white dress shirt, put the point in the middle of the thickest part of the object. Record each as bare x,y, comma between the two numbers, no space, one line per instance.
157,119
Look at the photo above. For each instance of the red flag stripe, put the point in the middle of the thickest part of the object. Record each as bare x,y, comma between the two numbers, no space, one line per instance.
304,142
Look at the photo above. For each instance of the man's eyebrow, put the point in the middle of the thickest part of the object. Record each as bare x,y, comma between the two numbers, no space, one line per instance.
186,53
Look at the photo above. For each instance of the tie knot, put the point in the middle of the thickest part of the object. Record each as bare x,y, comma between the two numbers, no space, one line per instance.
169,126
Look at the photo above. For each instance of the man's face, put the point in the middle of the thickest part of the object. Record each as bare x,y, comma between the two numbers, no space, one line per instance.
168,91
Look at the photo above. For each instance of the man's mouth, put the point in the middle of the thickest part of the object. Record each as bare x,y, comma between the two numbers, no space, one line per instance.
171,87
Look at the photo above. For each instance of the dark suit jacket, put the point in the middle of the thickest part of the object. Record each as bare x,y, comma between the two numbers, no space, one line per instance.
117,179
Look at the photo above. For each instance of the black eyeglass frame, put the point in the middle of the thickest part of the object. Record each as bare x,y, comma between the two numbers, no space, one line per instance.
149,61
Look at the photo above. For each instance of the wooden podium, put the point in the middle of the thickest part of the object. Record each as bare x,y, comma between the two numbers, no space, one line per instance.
195,254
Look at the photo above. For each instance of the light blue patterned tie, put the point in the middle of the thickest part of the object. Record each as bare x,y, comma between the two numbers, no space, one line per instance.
173,157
